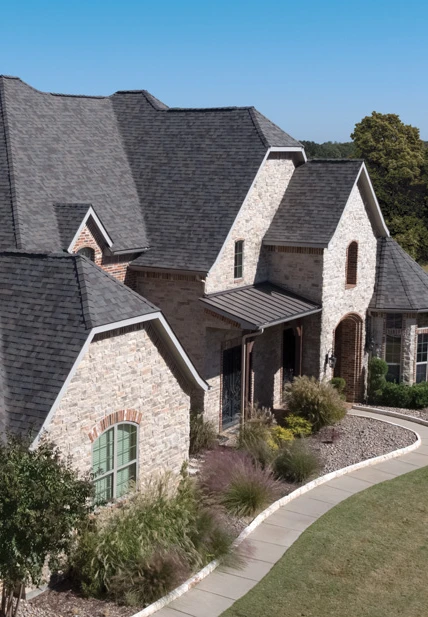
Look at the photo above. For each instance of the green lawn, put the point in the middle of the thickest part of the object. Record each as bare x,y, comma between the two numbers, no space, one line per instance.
368,557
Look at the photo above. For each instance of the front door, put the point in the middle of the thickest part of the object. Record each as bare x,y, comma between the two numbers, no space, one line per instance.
288,355
231,397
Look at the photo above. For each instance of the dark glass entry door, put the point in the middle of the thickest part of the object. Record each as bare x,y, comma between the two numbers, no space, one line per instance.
288,355
231,399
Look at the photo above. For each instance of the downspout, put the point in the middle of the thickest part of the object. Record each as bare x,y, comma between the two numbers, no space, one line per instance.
244,367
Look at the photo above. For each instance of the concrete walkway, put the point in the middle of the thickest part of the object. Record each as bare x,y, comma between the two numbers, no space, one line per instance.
219,590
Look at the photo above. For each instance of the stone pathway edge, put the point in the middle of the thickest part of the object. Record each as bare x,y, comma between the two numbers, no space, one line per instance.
199,576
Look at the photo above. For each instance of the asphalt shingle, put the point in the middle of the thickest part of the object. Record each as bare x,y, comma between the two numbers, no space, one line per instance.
313,202
401,283
48,305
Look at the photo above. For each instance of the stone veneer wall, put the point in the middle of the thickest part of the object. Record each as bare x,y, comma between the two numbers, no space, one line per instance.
337,300
124,370
116,265
251,225
299,269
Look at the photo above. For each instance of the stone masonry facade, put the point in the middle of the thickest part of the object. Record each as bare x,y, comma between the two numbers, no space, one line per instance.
251,225
124,376
338,299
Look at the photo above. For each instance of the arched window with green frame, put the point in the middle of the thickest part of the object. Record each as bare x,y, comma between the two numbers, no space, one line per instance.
114,461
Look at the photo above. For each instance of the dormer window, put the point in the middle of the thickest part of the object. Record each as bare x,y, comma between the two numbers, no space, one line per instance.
87,252
238,269
351,264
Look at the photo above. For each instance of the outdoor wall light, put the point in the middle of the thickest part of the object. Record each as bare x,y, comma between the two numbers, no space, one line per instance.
331,358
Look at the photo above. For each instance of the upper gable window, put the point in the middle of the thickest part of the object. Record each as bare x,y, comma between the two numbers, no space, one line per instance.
87,252
351,264
238,270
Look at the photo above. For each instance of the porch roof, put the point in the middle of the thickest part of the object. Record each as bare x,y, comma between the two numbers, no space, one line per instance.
260,306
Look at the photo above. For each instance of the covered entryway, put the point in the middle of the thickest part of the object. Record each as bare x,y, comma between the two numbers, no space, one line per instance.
231,386
348,339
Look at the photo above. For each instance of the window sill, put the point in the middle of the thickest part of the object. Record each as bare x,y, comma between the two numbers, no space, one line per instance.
240,280
348,286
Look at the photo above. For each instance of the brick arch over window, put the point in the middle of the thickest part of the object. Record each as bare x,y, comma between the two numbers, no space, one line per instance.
352,264
348,349
124,415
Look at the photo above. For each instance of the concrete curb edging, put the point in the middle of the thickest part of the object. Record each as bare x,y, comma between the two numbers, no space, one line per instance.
199,576
392,414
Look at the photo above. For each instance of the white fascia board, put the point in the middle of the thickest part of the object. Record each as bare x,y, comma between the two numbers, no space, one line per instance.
377,211
106,328
101,228
300,150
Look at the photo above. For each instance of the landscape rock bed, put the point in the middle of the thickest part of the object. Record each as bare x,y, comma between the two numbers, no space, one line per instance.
350,441
355,439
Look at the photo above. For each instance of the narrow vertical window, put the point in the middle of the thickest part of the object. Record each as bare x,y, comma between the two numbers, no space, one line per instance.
422,358
238,270
394,324
351,264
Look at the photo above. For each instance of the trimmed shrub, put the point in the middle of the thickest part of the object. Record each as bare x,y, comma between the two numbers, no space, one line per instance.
138,552
339,383
230,478
404,396
279,436
377,372
300,427
296,462
317,401
203,435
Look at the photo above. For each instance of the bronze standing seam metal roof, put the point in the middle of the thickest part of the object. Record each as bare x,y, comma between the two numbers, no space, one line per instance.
260,306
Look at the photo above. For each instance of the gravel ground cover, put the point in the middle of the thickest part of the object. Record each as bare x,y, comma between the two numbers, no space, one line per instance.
350,441
355,439
416,413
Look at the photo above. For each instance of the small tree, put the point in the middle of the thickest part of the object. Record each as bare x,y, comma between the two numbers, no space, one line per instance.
42,501
378,369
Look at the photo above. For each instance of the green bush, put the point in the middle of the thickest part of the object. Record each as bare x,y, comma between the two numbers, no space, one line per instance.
203,435
317,401
296,462
139,551
339,383
300,427
404,396
377,371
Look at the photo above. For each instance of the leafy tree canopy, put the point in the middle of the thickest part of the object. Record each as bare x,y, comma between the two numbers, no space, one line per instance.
42,501
328,150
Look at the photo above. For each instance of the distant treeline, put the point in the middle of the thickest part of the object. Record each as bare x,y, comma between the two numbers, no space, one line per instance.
329,149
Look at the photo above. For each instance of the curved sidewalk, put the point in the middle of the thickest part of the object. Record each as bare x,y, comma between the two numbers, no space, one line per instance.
269,541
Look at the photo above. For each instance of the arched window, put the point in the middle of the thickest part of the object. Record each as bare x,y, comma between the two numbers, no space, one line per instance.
87,252
238,270
114,461
351,264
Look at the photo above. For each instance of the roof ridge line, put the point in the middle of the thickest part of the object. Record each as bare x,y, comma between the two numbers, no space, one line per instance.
257,126
400,274
83,291
9,158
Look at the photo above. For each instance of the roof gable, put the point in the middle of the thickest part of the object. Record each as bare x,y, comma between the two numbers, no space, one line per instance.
401,283
313,203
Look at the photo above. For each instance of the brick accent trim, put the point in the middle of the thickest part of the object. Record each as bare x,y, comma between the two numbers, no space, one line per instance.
124,415
294,249
235,324
168,276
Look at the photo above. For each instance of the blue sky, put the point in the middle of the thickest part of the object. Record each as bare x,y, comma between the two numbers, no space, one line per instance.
315,67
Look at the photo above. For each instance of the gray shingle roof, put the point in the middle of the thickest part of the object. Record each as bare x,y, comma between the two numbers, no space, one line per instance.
69,218
172,179
261,305
48,305
7,227
313,202
401,283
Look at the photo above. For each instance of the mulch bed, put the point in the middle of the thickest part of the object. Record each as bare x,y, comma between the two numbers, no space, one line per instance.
350,441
